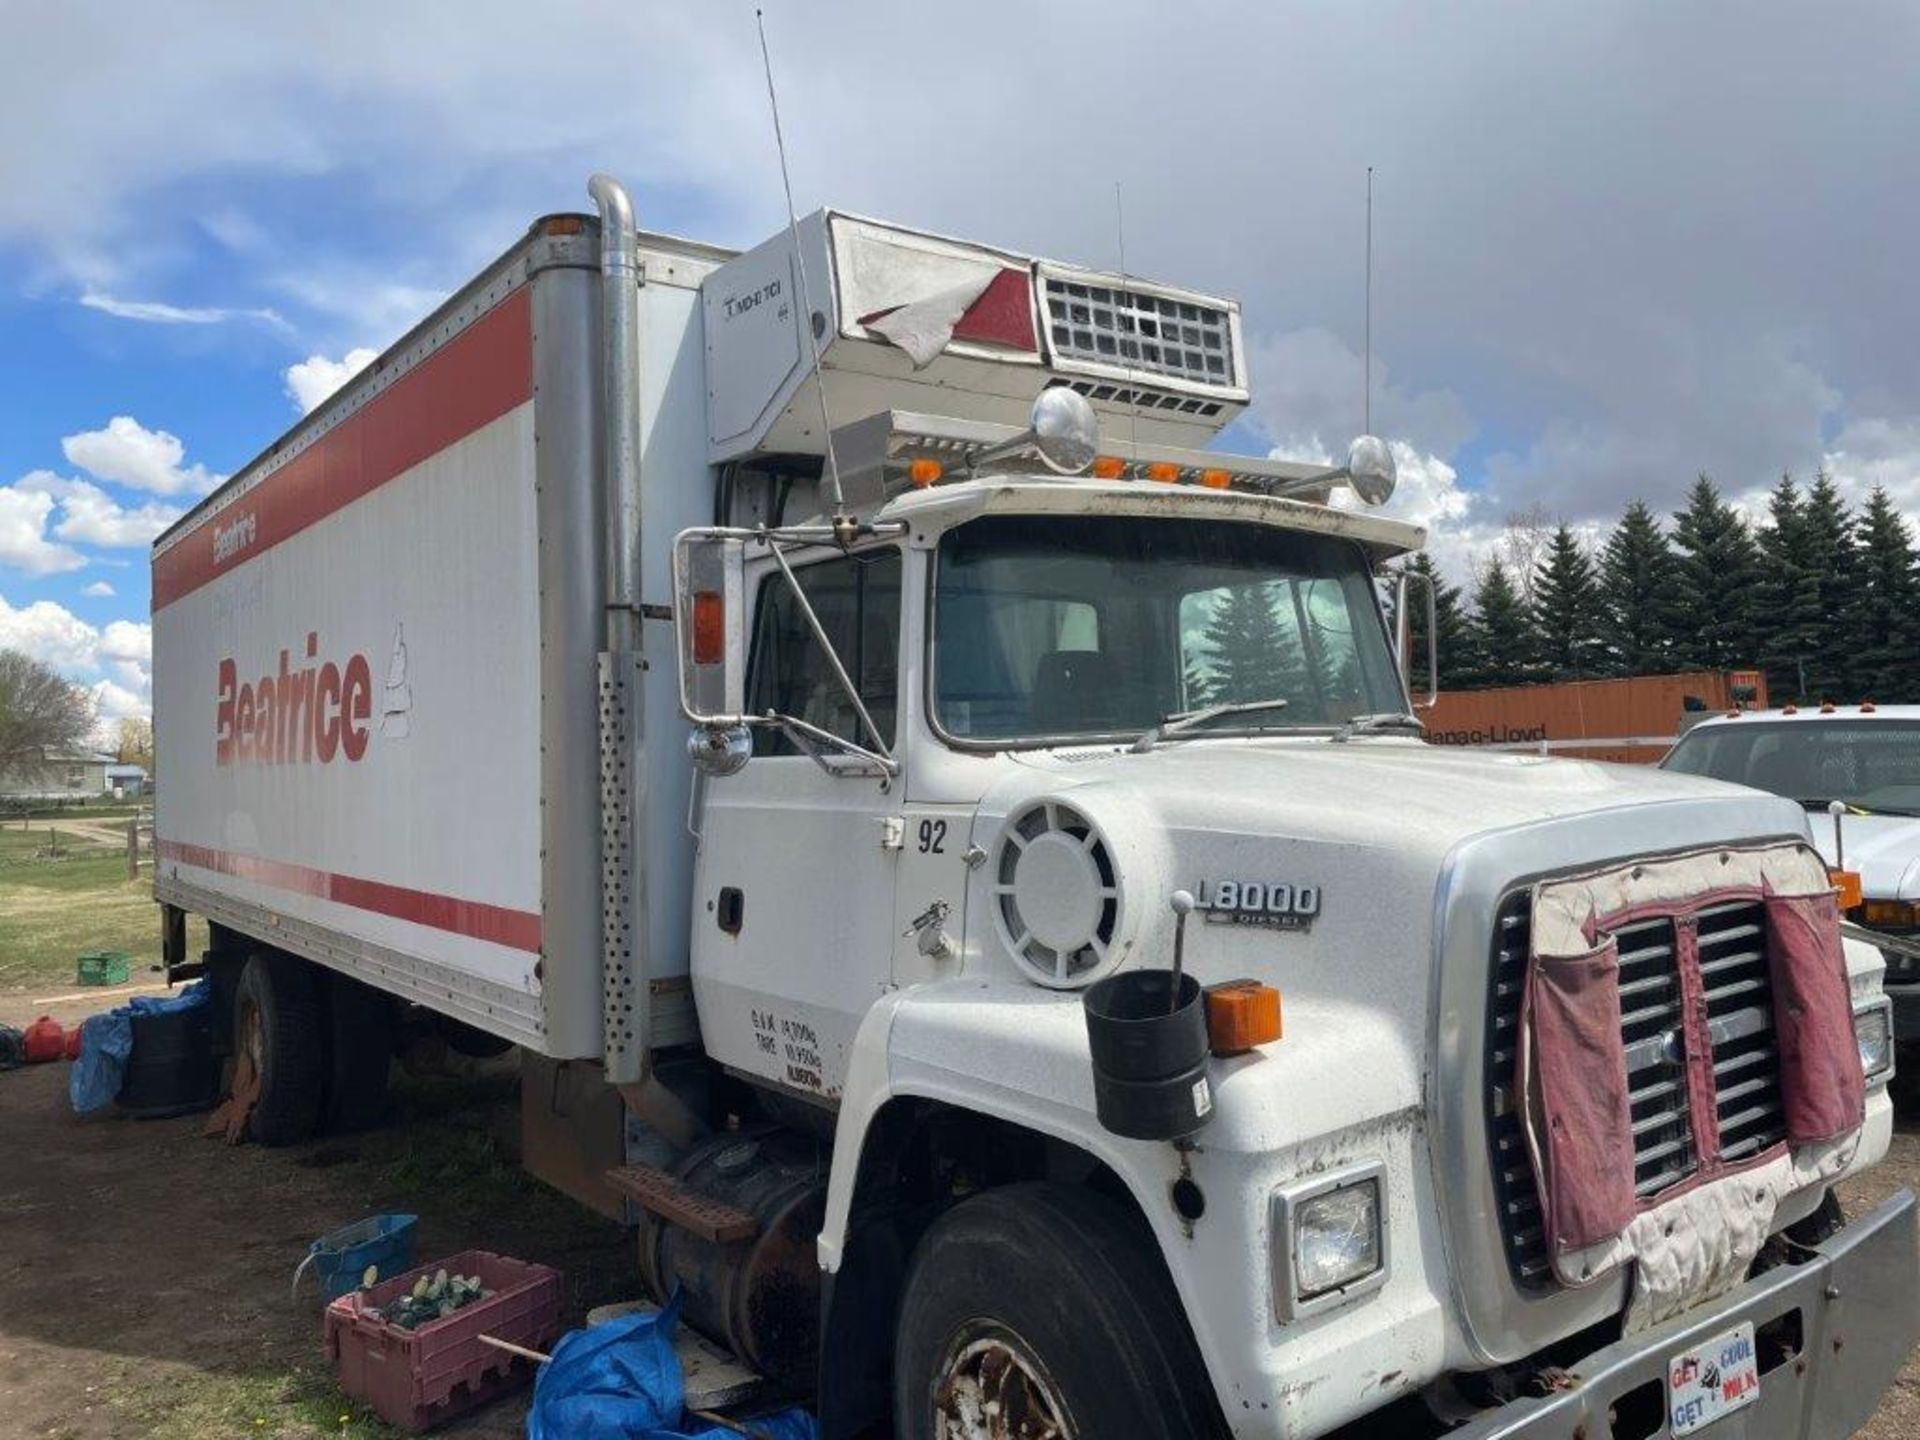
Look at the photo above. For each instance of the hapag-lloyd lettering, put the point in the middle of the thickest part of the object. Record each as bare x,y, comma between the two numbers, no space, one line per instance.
293,717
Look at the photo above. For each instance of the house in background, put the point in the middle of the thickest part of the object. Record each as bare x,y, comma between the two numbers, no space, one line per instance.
126,782
66,775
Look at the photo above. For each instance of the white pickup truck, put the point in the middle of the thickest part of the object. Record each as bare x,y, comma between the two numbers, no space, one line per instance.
1866,760
1493,1091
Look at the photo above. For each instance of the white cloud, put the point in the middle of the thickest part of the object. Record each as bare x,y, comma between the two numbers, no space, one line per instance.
114,663
127,453
158,312
113,703
24,545
312,380
127,640
89,515
50,633
99,590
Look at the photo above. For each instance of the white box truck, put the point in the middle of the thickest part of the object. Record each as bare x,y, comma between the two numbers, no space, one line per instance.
957,858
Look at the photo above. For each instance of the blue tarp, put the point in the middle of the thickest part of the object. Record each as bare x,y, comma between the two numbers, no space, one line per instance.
107,1040
621,1381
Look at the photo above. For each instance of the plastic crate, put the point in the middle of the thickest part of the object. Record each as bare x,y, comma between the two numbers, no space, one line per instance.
104,967
417,1379
340,1259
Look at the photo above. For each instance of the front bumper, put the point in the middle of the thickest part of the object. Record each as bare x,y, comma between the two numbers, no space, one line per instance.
1859,1304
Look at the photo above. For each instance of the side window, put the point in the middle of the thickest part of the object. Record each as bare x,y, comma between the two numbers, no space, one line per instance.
857,598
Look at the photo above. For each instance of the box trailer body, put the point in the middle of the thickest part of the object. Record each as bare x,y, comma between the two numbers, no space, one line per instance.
375,660
1633,720
749,684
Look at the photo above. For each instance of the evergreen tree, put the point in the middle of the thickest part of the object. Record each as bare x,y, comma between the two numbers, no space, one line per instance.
1503,643
1247,651
1566,610
1639,596
1716,574
1784,594
1452,628
1885,618
1832,670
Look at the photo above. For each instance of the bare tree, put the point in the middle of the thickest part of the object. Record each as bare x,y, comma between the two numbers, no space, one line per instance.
41,715
135,741
1524,544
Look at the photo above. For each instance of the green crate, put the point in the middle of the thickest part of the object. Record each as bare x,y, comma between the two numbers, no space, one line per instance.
105,967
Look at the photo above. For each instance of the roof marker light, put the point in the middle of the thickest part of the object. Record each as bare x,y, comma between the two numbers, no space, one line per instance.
1216,479
1164,472
924,471
1109,467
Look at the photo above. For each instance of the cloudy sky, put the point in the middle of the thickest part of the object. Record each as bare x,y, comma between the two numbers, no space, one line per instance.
1615,245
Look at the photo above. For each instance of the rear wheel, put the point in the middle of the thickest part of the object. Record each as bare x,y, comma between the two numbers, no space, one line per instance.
360,1026
277,1037
1042,1312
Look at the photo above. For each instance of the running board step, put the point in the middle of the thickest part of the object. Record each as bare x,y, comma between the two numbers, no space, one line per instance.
658,1193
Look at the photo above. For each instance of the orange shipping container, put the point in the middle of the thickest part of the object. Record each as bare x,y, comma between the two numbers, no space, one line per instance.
1632,721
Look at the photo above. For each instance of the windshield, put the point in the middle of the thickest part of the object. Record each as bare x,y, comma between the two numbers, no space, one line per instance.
1103,626
1873,766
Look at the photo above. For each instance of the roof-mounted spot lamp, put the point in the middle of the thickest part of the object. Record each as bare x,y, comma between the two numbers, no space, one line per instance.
1061,429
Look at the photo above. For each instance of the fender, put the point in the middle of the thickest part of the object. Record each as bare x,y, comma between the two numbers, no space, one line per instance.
1019,1054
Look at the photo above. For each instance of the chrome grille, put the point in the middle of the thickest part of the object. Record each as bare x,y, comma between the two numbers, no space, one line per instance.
1111,324
1738,991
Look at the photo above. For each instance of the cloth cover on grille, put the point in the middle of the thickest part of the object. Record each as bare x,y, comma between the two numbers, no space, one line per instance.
1571,1009
1700,1238
1822,1088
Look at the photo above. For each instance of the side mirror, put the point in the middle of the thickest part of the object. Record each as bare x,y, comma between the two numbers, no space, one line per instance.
1370,469
709,623
1403,635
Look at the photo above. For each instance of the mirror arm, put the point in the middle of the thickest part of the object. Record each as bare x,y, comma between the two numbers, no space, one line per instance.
885,753
801,732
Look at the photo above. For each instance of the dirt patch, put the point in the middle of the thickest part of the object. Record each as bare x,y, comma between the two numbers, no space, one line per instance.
144,1270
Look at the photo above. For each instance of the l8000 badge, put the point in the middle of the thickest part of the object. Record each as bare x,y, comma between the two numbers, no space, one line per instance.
1276,906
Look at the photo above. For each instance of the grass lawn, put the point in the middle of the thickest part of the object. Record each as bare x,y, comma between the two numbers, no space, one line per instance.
63,894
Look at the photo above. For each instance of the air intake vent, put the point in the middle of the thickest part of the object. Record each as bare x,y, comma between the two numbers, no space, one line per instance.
1056,895
1135,331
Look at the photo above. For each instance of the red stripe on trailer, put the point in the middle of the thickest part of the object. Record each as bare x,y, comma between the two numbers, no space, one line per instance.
477,377
515,929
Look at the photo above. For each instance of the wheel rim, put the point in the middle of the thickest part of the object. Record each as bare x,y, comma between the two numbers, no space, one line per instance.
990,1387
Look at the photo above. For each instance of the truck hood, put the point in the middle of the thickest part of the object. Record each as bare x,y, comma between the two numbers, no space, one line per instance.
1885,849
1385,792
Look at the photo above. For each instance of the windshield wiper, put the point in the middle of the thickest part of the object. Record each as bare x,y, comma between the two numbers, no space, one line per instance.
1184,720
1391,722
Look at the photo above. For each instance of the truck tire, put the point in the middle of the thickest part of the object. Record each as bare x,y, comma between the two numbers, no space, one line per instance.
1052,1301
277,1022
360,1027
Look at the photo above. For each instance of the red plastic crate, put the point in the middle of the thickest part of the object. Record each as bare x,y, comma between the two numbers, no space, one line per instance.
418,1378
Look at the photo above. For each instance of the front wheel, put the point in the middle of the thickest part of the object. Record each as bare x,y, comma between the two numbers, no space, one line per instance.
1042,1312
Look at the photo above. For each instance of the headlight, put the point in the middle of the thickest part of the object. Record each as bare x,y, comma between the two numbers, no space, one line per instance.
1331,1237
1873,1030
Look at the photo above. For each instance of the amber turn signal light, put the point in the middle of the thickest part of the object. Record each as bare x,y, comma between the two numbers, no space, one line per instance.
1108,467
924,471
1891,914
1847,882
1240,1015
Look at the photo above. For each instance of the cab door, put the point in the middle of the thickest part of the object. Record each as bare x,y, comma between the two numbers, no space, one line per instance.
794,884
